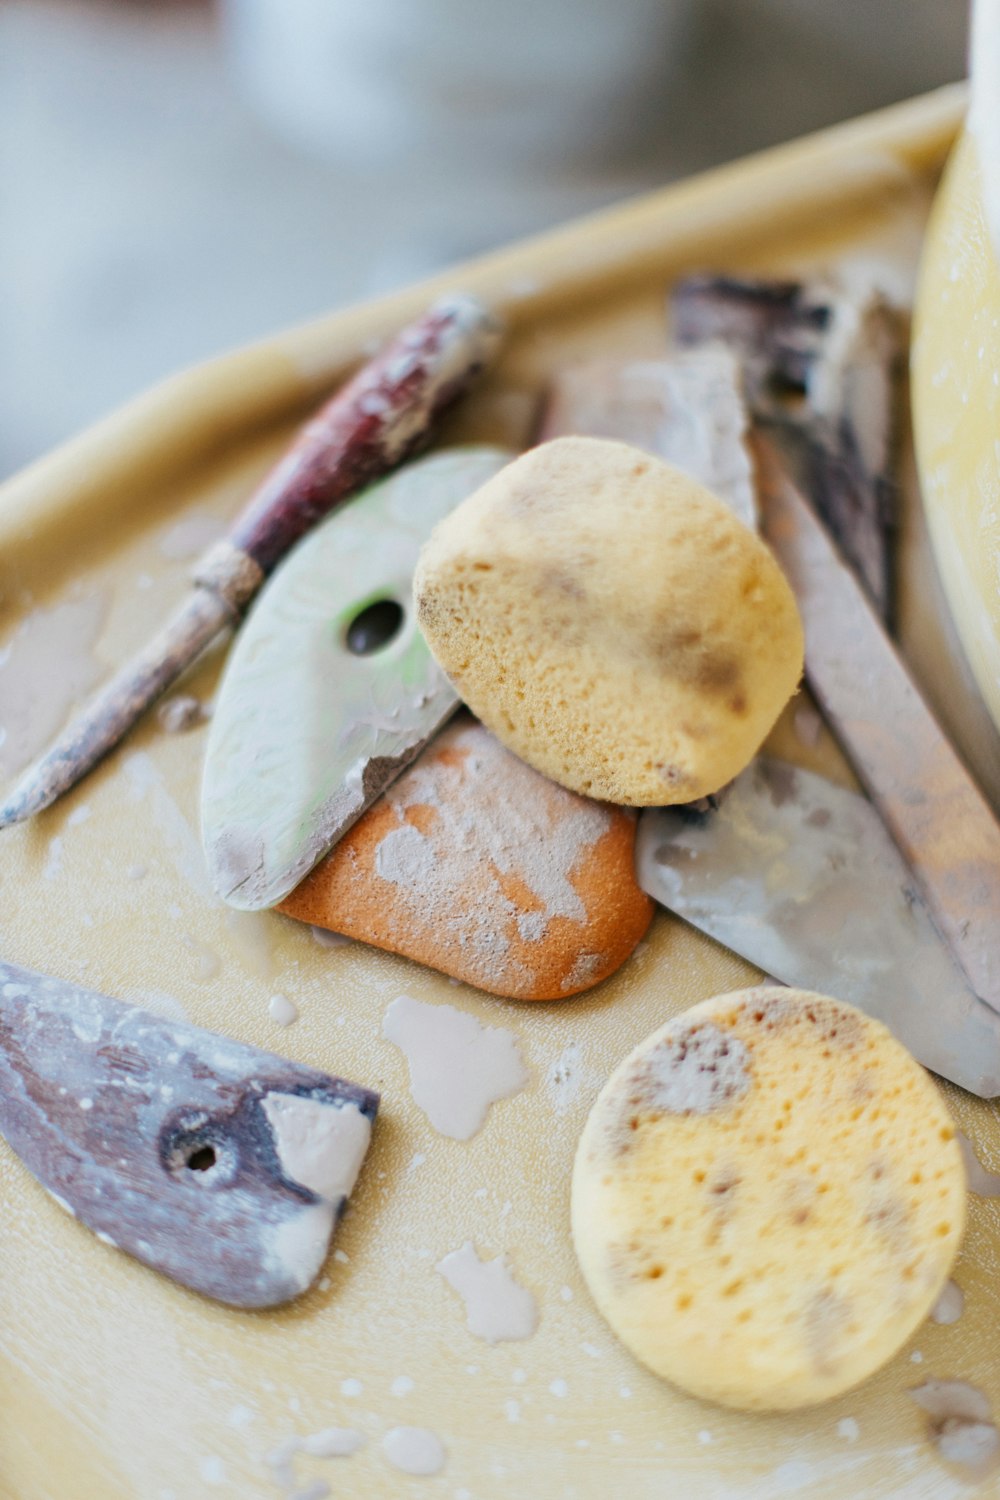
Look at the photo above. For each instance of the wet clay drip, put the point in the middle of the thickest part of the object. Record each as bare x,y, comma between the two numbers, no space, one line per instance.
458,1068
414,1450
961,1425
180,713
950,1305
497,1307
46,667
984,1183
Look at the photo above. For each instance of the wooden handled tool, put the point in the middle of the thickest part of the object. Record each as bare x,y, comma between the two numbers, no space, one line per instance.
382,416
224,1167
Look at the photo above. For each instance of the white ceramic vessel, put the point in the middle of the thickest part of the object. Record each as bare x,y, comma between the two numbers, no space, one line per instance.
540,83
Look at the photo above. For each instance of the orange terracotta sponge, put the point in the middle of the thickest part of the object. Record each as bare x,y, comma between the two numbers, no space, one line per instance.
478,866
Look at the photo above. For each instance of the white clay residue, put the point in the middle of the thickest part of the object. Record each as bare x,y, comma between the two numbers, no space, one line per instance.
497,1307
458,1067
949,1306
212,1470
45,669
298,1245
565,1077
205,960
253,934
332,1442
190,536
460,868
961,1424
984,1183
508,836
585,966
320,1145
324,939
180,713
697,1070
146,784
414,1450
283,1012
53,862
404,857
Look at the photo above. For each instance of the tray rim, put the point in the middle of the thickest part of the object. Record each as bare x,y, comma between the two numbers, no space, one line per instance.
179,421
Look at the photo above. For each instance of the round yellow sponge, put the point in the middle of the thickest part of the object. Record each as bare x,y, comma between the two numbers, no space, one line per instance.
767,1199
612,622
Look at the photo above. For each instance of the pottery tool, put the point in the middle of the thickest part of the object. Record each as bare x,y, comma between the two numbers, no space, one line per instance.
222,1166
885,903
802,878
819,364
376,421
330,689
940,821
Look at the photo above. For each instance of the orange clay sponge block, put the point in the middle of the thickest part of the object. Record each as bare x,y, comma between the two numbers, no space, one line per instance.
767,1199
611,621
474,864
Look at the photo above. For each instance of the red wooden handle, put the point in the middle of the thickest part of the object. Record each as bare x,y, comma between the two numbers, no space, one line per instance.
374,422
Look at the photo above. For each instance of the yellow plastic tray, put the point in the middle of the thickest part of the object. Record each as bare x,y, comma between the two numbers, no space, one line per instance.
116,1384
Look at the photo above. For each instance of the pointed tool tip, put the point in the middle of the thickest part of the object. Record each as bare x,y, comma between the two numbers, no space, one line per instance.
26,799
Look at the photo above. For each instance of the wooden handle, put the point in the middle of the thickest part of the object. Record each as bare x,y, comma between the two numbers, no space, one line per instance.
372,424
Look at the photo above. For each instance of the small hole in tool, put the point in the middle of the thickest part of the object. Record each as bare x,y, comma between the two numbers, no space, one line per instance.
201,1160
374,627
786,389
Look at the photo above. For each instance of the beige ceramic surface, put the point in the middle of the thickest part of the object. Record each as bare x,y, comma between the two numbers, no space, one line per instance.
956,359
116,1384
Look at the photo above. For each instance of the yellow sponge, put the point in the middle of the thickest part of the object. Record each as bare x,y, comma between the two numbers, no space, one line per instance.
767,1199
612,622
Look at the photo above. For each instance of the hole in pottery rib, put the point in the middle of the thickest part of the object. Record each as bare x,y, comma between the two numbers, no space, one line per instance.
374,627
199,1150
786,390
202,1158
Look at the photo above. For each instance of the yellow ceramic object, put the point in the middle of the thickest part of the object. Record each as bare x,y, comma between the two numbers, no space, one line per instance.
956,368
956,408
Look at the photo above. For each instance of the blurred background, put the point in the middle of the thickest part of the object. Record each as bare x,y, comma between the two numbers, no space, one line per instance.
180,176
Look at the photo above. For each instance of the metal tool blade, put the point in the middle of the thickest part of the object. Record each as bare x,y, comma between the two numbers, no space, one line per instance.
943,826
178,1146
306,732
801,877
